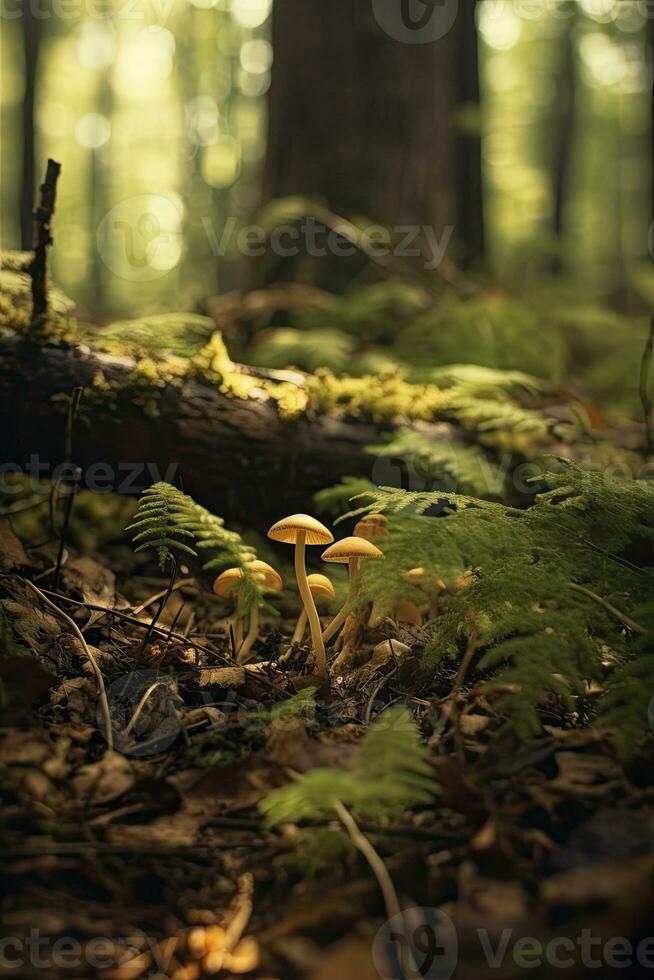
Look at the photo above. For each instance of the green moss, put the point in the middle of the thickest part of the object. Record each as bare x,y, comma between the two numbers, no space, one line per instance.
16,302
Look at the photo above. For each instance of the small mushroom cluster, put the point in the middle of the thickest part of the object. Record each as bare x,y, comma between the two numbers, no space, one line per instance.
301,530
231,584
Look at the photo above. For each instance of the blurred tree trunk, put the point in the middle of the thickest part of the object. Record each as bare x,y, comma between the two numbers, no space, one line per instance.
31,25
563,127
371,125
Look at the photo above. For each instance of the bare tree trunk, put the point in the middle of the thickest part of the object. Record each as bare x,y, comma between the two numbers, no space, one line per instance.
370,123
564,128
31,44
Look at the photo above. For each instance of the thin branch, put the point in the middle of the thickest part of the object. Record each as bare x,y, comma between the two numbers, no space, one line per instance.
181,584
38,269
96,670
644,388
616,613
377,866
141,705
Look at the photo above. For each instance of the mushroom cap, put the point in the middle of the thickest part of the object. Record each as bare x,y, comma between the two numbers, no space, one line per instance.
379,519
265,574
341,551
407,612
287,530
370,530
321,587
227,581
391,647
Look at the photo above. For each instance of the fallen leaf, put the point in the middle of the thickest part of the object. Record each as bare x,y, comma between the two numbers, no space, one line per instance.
104,780
222,677
12,553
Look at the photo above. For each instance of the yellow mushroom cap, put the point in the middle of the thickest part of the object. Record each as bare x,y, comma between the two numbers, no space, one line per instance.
378,519
321,587
227,581
265,574
370,530
288,528
341,551
407,612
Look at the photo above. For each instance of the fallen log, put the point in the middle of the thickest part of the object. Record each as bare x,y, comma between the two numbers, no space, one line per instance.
236,456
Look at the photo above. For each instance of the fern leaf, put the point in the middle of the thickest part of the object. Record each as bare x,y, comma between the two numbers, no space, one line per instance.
164,516
390,773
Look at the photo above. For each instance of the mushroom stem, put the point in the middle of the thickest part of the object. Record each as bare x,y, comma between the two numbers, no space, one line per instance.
309,604
374,613
341,616
253,631
300,627
236,624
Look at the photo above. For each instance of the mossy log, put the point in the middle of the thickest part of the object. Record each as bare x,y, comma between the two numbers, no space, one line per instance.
237,456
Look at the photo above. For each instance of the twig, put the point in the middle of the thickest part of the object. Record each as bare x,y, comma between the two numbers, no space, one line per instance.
93,607
471,649
96,670
644,388
616,613
22,505
162,603
38,268
182,584
377,866
70,500
141,705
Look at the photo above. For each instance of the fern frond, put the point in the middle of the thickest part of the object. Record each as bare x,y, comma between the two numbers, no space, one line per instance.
539,641
226,548
164,521
442,464
390,773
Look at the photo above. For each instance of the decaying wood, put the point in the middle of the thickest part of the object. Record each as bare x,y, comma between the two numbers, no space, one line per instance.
236,456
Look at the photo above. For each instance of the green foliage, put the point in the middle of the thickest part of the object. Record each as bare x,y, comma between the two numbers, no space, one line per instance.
165,520
442,464
181,334
225,548
335,500
537,637
305,349
389,774
492,331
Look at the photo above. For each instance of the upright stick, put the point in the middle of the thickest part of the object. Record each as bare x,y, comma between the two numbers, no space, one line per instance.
38,268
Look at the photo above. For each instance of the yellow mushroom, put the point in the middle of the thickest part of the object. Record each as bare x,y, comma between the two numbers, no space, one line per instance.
265,576
226,585
321,588
348,551
301,530
229,585
407,612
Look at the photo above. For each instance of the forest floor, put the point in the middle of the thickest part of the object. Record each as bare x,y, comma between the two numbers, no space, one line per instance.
153,859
